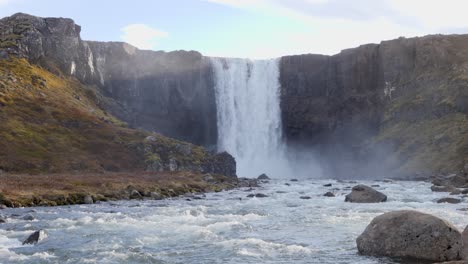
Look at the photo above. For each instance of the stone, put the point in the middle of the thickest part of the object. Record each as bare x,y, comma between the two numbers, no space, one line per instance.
456,180
327,185
411,234
258,195
449,200
294,180
35,237
134,194
222,163
456,192
209,178
246,182
365,194
435,188
173,165
329,194
28,217
287,184
2,206
150,139
465,191
88,199
305,197
465,243
185,149
465,168
375,186
2,219
263,177
156,196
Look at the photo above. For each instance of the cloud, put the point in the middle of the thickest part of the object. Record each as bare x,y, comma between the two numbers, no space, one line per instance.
141,36
328,26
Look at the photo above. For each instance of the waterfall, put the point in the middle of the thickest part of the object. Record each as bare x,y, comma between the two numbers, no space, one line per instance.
249,115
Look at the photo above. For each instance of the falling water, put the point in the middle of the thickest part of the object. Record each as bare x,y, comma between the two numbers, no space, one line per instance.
249,116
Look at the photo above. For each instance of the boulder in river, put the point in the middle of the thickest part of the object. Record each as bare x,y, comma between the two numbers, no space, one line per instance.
327,185
449,200
329,194
28,217
365,194
263,177
88,199
35,237
436,188
134,194
465,243
411,234
305,197
258,195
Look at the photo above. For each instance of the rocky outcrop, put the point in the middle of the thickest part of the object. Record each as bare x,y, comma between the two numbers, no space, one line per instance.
222,163
365,194
411,234
381,109
171,93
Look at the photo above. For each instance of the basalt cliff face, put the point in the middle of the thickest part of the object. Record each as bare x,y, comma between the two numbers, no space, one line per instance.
170,93
395,108
62,102
399,107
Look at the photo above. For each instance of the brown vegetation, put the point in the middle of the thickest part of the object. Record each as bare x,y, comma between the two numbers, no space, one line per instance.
63,189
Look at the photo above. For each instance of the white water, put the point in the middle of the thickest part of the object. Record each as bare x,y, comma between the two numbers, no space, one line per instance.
224,227
249,115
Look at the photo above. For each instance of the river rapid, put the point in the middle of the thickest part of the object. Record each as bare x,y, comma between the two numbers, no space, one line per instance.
225,227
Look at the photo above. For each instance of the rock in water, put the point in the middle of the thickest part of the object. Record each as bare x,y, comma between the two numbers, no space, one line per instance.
263,177
411,234
2,220
436,188
35,237
28,217
449,200
329,194
365,194
465,243
88,199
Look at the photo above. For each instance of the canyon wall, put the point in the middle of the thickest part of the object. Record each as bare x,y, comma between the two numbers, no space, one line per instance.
395,108
170,93
399,107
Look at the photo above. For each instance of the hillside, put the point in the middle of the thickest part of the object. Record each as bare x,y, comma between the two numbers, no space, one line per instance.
53,123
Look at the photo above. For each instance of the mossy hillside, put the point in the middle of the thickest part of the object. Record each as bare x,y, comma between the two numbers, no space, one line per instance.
55,124
428,141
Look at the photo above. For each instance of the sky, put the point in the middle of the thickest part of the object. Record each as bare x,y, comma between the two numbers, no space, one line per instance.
252,28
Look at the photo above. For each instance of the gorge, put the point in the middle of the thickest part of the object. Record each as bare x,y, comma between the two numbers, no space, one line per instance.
112,154
392,109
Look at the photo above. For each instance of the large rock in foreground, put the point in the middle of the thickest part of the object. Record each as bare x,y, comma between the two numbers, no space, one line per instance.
365,194
411,234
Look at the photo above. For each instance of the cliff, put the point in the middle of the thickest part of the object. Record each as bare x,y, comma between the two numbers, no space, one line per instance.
60,107
170,93
396,108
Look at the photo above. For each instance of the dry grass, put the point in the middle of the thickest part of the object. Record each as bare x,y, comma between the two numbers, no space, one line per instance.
29,190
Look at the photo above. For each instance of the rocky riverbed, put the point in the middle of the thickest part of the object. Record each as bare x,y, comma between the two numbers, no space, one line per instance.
223,227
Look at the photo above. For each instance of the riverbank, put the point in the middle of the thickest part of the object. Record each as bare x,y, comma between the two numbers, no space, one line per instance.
21,190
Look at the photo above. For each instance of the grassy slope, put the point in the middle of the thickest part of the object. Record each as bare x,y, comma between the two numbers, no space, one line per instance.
434,141
52,124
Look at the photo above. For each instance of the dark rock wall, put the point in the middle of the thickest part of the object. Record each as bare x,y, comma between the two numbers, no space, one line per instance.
367,104
171,93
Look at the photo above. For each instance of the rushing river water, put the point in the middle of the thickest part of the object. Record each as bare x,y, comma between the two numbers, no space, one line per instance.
223,227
